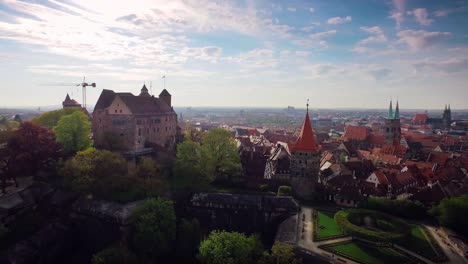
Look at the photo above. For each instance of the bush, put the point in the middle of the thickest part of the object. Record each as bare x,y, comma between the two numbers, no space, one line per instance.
284,191
401,208
351,220
452,212
114,255
264,188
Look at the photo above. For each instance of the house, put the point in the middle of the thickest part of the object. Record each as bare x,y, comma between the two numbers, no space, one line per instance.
134,122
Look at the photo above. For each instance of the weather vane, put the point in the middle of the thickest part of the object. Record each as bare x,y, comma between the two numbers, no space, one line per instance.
307,104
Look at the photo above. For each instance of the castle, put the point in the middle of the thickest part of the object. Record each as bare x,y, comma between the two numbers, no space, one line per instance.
134,122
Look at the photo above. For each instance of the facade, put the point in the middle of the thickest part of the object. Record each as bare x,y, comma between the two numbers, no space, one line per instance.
392,127
134,122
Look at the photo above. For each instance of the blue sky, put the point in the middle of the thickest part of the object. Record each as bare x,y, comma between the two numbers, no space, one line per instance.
354,53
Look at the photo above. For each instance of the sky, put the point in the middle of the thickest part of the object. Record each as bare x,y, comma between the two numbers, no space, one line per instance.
338,54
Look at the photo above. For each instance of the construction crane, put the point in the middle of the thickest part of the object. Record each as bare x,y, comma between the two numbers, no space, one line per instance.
83,88
83,85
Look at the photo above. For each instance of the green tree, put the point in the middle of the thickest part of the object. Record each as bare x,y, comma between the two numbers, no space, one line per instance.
229,248
155,228
73,132
281,253
188,239
114,255
219,156
452,212
154,181
89,170
50,119
18,119
284,191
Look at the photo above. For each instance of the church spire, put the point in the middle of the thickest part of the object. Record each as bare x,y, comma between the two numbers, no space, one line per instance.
397,111
390,111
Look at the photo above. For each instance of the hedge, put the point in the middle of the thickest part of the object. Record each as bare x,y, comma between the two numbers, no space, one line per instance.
347,220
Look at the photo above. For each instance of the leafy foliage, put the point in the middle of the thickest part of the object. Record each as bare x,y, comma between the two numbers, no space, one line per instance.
188,238
284,190
452,212
73,132
155,224
114,255
352,220
216,158
50,119
402,208
281,253
28,149
229,248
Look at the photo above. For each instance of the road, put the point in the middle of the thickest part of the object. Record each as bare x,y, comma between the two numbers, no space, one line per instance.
451,250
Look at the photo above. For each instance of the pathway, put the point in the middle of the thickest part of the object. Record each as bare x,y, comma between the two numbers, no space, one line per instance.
451,250
305,238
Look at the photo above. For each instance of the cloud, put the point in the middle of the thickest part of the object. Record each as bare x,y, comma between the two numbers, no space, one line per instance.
420,39
302,53
339,20
316,39
312,10
421,16
398,12
311,27
256,58
441,13
291,9
380,74
377,35
452,65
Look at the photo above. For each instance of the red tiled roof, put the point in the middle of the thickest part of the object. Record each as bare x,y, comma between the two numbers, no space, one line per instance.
439,157
306,139
376,139
70,102
420,118
356,133
381,177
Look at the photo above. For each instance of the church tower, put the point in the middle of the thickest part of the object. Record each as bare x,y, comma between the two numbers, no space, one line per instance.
447,117
305,161
392,127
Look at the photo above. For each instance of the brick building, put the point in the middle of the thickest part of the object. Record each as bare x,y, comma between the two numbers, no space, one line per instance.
134,122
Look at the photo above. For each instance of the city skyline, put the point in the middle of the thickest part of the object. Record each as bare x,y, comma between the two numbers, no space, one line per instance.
355,54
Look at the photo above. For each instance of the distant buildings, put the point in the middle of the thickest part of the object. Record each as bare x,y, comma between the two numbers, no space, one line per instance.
134,122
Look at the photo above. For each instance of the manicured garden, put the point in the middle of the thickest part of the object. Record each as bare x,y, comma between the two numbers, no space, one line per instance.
363,253
325,226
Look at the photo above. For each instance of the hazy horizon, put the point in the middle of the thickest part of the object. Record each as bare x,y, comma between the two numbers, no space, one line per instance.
341,55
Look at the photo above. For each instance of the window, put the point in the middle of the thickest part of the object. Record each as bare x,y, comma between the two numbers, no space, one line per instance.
120,110
139,132
138,122
115,111
121,134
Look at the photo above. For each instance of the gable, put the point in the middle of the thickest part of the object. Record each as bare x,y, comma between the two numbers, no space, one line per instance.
118,107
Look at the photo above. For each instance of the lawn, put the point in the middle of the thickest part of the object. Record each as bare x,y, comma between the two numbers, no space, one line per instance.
419,243
368,254
327,227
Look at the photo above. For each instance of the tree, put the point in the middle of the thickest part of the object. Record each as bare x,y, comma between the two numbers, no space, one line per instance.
87,169
219,154
114,255
18,119
50,119
155,228
284,191
73,132
229,248
188,239
27,150
151,176
452,212
281,253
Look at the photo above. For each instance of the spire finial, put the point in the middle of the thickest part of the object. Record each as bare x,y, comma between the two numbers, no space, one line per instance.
307,105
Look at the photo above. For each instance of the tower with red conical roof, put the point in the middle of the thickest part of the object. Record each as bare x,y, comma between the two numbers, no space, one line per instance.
305,161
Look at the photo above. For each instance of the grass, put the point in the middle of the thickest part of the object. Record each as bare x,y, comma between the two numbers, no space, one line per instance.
419,243
368,254
327,226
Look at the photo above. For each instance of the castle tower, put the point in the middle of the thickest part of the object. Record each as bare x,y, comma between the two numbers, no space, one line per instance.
392,127
166,97
305,161
144,91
